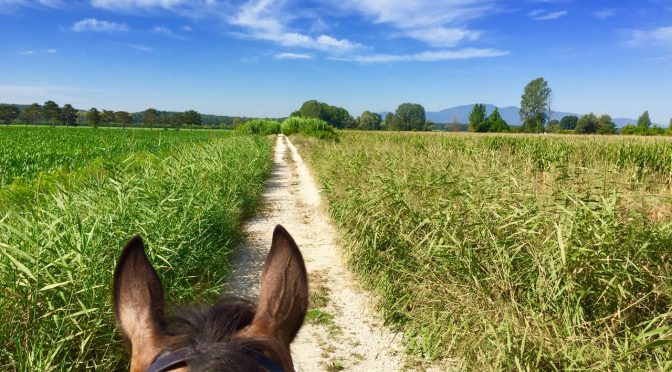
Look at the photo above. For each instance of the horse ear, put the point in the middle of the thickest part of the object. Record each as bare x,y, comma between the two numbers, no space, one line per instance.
283,298
138,302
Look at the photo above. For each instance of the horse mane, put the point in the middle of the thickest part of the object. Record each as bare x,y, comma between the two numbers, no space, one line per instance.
210,332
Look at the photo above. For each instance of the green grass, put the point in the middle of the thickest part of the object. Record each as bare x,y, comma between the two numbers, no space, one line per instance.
27,152
259,126
510,252
57,257
309,127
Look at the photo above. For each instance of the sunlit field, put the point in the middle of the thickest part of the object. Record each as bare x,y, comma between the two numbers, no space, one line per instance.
71,198
510,251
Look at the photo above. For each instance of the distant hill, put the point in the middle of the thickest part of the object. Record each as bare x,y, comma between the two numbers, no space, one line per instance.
509,113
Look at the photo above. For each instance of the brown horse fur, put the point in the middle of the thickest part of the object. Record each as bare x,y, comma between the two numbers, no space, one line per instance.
224,335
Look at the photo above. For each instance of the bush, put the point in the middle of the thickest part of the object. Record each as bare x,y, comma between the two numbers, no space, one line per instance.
259,126
311,127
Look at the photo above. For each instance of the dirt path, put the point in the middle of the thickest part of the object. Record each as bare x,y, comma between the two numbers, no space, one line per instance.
340,333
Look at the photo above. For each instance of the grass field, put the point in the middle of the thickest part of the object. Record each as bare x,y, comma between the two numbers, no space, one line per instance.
510,252
184,192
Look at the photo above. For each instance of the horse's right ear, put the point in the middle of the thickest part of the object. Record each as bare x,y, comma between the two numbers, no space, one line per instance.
283,298
138,303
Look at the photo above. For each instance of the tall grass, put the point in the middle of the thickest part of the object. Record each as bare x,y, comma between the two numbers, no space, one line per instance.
511,253
26,152
310,127
259,126
57,257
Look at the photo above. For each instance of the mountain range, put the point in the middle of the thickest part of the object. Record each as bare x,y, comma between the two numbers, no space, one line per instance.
509,113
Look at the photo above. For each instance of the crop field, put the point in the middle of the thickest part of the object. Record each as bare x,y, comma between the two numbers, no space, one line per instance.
510,252
69,201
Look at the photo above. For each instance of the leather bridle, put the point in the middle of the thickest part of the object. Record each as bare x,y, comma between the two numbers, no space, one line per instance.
180,357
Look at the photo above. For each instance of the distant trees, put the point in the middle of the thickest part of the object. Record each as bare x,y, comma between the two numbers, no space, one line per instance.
94,117
192,118
69,114
338,117
553,126
123,118
369,121
107,117
478,122
51,112
535,105
8,113
410,116
32,114
644,127
389,121
644,122
605,125
568,122
150,117
455,125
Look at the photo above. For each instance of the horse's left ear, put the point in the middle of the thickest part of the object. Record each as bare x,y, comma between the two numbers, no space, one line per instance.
138,303
283,298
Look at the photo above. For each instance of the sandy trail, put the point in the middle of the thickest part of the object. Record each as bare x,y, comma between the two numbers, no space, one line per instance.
349,337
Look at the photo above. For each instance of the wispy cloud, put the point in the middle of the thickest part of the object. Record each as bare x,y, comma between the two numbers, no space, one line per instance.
138,4
26,52
31,52
165,31
430,56
544,15
94,25
264,20
604,13
431,21
293,56
658,36
142,48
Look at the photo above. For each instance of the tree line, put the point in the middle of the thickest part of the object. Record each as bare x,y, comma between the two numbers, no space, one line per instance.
54,115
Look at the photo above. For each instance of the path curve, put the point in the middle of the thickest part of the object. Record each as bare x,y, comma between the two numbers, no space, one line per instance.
347,336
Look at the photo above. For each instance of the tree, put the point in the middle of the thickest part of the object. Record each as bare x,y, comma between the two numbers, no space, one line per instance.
32,114
644,121
164,120
94,117
8,113
568,122
69,114
496,123
605,125
338,117
587,124
477,120
123,118
51,112
178,120
553,126
369,121
455,125
390,122
629,129
107,117
150,117
535,105
192,118
410,116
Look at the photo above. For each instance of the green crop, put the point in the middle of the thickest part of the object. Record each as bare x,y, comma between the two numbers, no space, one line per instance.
510,252
57,255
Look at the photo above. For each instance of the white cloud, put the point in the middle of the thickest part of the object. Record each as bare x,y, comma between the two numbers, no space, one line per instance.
658,36
439,23
50,51
264,20
162,30
293,56
142,48
442,36
26,52
94,25
604,13
137,4
543,15
430,56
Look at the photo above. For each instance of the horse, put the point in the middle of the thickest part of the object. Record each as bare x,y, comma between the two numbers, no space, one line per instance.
233,335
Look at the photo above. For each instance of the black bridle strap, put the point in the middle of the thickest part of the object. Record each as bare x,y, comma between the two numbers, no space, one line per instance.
179,357
168,361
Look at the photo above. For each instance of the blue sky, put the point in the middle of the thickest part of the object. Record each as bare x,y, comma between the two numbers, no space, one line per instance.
266,57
